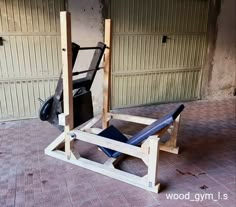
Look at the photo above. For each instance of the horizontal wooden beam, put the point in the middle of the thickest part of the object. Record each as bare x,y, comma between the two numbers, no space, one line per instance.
132,118
109,143
145,145
94,130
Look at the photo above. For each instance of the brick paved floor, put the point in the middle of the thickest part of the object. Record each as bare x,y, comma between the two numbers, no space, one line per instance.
207,141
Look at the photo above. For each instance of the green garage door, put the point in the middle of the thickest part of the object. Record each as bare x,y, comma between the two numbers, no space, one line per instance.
30,55
158,51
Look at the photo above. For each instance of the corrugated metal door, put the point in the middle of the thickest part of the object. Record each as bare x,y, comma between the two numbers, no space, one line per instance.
30,59
148,67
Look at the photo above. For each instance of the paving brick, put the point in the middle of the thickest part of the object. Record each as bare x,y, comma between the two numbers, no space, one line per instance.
207,145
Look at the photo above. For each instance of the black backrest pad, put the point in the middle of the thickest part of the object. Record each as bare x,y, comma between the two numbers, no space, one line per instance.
94,66
97,56
112,133
153,128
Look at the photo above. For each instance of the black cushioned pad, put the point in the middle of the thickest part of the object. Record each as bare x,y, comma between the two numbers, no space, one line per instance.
113,133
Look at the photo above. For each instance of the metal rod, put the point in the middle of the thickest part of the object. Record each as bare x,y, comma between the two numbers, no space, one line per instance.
85,71
89,48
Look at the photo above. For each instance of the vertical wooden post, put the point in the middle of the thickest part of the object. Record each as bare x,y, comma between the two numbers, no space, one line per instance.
174,134
107,74
65,20
153,161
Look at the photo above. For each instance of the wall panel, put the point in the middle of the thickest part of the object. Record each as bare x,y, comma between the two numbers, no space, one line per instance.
144,68
30,60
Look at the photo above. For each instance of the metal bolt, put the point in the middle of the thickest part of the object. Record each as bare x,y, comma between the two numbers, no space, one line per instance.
72,135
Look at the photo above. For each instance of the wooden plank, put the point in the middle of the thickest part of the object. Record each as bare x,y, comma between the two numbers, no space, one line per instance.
132,118
173,150
65,19
153,161
55,143
106,170
107,74
171,145
173,141
93,130
109,143
58,144
109,162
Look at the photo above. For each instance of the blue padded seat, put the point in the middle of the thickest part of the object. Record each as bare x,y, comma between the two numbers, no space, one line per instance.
113,133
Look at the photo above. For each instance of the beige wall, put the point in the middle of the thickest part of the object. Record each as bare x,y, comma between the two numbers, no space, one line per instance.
87,30
222,80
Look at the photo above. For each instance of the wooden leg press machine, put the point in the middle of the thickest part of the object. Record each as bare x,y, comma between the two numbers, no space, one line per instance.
144,145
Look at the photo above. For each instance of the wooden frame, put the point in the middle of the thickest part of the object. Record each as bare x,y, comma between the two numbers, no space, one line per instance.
65,20
148,152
